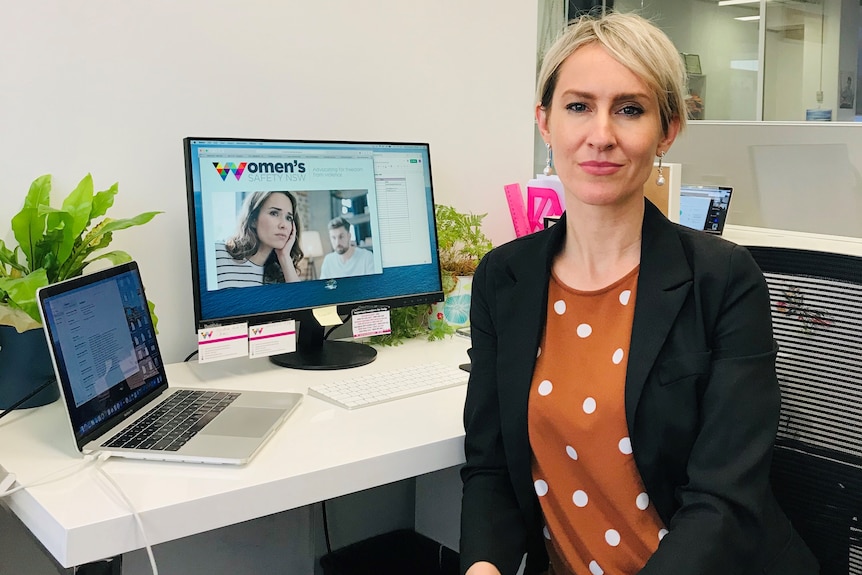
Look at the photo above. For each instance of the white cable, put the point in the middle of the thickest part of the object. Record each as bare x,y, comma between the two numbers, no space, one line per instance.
102,458
6,488
6,483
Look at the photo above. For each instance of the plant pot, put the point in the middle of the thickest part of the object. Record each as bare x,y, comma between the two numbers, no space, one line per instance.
25,364
455,308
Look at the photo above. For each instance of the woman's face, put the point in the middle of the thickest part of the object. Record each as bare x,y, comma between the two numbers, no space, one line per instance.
604,127
274,222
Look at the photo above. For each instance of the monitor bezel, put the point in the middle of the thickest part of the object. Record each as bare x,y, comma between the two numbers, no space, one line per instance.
300,312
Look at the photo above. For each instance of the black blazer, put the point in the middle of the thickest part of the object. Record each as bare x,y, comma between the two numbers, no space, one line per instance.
701,402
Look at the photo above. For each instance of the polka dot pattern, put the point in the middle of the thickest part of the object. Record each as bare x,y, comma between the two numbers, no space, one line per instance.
580,498
625,446
600,514
642,501
541,487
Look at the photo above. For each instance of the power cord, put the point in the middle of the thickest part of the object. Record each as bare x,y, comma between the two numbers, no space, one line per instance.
6,483
9,480
21,401
119,490
191,355
326,529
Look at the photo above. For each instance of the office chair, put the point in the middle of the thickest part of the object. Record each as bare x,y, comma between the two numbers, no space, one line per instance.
816,300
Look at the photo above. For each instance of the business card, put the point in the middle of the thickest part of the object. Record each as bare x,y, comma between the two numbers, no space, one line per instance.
222,342
271,338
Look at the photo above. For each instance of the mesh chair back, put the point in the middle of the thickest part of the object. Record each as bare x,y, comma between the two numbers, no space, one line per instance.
816,300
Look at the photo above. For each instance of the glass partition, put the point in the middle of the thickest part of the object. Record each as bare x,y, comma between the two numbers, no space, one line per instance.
752,60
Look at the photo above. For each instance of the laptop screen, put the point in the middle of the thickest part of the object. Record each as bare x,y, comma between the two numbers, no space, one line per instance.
704,207
104,345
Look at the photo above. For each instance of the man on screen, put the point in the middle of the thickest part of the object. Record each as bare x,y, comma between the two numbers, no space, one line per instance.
346,259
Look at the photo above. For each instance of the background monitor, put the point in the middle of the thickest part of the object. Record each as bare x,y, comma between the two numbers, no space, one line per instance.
365,235
704,207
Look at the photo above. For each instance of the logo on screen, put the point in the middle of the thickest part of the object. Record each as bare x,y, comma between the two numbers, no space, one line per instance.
224,169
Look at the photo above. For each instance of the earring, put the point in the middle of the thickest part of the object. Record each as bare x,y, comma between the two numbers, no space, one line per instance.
659,181
548,169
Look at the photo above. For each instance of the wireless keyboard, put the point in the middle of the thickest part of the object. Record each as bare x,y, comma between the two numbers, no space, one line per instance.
386,386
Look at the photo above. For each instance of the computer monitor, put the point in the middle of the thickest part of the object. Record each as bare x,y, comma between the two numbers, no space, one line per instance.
281,227
704,207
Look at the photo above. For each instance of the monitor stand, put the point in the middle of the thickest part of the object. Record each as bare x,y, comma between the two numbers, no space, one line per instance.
313,351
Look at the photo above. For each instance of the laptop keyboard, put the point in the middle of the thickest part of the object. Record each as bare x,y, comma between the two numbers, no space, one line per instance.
172,423
390,385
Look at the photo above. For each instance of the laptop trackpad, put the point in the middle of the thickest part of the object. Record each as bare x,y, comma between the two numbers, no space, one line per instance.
243,422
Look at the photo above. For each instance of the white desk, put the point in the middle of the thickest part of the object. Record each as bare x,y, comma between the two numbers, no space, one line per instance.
321,452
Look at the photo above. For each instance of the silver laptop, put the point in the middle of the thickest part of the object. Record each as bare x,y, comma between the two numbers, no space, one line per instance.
115,389
704,208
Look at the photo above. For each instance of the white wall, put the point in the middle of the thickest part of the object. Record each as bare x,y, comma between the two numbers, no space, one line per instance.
112,87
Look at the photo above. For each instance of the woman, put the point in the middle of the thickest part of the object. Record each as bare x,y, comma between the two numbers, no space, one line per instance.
622,402
266,247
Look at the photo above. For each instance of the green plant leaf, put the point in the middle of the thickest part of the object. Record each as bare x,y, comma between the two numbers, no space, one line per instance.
405,323
94,240
56,244
28,224
9,260
21,292
102,201
115,225
460,240
116,257
39,193
27,227
97,238
152,307
46,252
78,205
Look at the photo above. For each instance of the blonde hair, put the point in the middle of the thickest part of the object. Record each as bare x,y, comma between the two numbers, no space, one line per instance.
634,42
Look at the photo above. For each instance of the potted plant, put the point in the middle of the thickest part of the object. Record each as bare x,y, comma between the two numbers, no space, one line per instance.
461,244
53,244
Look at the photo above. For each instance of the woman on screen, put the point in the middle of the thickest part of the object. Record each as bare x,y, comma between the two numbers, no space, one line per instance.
266,247
623,401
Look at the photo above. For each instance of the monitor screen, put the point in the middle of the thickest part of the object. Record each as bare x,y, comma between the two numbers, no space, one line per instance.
280,227
704,207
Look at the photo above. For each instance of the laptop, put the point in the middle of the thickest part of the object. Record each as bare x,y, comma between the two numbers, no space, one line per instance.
115,389
704,207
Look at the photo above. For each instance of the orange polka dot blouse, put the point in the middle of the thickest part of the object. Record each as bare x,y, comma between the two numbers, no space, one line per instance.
598,517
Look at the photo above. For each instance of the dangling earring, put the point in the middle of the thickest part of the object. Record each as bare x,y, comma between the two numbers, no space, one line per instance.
548,169
659,181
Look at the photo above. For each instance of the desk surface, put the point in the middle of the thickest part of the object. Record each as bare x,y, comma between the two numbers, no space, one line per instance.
320,452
